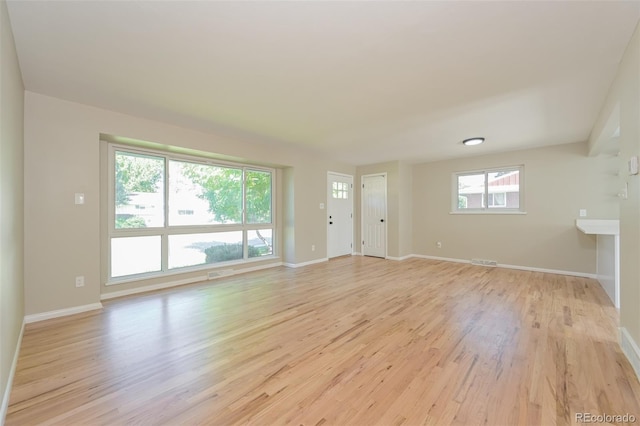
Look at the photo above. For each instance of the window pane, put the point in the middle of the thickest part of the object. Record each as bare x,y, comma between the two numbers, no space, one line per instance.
200,249
260,242
201,194
258,196
471,191
139,191
497,199
340,190
505,187
135,255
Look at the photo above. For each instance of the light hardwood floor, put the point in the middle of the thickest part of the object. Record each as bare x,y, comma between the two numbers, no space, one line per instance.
354,341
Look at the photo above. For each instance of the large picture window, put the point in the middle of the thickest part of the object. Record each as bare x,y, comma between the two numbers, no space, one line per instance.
169,212
488,191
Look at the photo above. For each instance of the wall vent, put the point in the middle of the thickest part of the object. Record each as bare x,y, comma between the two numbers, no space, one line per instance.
484,262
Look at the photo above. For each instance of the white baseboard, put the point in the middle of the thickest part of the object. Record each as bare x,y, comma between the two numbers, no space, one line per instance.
409,256
444,259
549,271
449,259
152,287
356,253
630,349
501,265
252,268
61,312
176,283
7,391
311,262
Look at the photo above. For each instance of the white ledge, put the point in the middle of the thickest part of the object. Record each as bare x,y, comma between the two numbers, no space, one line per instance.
599,226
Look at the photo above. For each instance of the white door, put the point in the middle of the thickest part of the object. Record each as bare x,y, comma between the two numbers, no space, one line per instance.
374,215
339,215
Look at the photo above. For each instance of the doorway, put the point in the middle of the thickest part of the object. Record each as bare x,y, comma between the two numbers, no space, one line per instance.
374,215
339,214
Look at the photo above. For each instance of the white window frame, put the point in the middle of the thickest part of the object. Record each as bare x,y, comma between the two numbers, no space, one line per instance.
485,196
167,230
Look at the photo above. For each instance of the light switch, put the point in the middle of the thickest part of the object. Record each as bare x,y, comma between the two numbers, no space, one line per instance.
624,192
79,198
633,165
321,206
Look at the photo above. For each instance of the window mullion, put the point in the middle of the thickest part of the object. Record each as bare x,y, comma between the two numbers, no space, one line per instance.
111,202
244,196
165,230
245,242
486,191
273,200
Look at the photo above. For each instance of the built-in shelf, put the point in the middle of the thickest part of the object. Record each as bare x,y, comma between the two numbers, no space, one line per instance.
599,226
608,258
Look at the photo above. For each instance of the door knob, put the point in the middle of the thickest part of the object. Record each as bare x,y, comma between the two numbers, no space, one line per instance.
381,220
330,223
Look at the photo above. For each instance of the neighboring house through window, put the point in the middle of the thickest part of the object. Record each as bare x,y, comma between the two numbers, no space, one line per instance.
493,190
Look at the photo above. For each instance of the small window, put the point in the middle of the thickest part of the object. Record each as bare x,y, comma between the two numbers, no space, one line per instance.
340,190
495,190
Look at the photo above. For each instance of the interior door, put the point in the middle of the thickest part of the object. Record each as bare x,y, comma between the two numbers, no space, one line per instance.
339,215
374,215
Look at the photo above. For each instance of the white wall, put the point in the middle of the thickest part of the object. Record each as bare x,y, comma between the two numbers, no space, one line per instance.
623,107
558,182
62,157
11,203
405,197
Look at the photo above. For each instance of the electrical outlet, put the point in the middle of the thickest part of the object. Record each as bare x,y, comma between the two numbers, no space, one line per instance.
439,244
583,212
313,247
80,281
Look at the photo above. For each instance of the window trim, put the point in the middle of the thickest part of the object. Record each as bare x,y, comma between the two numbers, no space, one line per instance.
486,209
166,230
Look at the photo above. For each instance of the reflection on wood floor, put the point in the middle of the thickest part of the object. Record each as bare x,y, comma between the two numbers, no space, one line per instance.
354,340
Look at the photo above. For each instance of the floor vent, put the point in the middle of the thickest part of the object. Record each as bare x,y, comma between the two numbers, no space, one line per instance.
484,262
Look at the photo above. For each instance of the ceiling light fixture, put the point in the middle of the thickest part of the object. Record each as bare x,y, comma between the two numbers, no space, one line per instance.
473,141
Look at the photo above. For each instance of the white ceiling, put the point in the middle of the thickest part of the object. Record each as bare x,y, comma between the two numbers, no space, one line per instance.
363,81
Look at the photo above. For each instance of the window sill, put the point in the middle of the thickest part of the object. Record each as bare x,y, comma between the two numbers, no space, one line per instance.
489,212
189,269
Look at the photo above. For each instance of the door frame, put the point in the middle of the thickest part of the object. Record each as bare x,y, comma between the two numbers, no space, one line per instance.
353,228
386,212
